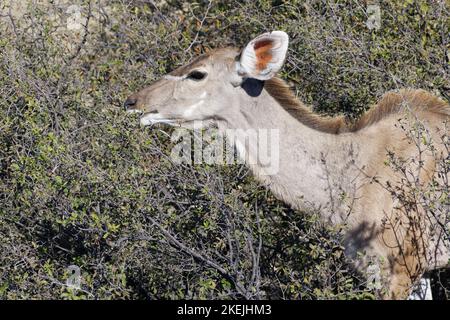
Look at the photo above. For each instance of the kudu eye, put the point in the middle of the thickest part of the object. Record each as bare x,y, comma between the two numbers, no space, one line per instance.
196,75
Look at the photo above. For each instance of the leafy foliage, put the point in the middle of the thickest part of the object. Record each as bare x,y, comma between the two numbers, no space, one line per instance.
81,184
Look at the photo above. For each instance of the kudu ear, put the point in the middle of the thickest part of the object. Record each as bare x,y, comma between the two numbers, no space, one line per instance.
264,56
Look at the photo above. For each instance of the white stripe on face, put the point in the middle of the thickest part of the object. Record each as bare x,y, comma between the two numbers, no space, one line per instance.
190,110
173,78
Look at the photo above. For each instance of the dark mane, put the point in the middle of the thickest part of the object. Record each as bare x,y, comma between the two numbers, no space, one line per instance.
390,103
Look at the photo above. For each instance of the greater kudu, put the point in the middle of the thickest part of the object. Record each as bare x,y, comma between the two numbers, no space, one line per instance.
334,165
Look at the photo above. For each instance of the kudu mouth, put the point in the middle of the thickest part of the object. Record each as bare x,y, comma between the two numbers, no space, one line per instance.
147,118
150,118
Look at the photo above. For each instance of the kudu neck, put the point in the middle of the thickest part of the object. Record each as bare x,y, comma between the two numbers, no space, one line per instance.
300,178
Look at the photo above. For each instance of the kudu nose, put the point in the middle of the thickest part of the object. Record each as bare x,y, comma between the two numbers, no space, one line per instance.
130,103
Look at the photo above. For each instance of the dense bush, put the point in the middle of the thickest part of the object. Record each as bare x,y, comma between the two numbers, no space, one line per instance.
82,184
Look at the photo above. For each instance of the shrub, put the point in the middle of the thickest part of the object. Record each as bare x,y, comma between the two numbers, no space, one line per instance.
81,184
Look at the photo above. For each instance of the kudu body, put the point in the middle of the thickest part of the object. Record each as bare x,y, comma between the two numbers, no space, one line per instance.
325,163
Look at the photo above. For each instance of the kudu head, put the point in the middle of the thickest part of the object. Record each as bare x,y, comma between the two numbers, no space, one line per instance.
208,88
